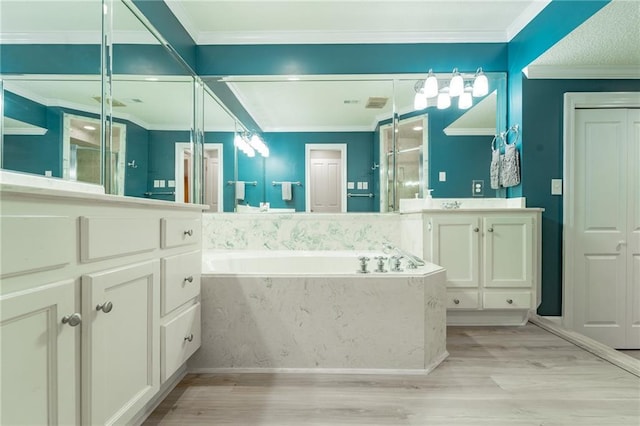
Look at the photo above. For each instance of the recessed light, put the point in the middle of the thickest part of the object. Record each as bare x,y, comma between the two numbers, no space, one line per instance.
88,127
293,78
152,78
417,128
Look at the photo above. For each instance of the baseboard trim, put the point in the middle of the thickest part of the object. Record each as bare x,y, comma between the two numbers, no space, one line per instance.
165,389
603,351
511,317
372,371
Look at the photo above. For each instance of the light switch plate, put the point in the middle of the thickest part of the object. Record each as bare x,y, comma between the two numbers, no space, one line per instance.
556,186
359,185
171,183
156,183
442,176
161,183
47,173
365,185
351,185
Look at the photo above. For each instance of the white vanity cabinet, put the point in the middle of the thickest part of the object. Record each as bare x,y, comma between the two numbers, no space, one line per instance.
38,360
82,306
492,263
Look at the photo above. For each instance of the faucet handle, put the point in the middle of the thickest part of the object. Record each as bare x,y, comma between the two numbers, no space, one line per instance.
363,264
395,263
381,260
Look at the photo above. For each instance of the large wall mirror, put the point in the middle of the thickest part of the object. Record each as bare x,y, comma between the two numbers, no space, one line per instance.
53,123
360,143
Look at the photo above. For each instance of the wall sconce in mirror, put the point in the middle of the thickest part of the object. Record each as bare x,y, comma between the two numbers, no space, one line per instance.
465,87
250,144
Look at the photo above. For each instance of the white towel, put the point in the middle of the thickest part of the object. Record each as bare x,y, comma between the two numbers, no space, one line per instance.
239,190
286,191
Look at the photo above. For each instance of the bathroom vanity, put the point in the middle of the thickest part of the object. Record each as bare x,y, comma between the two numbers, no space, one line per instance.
99,303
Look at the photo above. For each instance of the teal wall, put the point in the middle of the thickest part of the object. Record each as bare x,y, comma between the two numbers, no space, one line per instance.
552,24
286,162
543,104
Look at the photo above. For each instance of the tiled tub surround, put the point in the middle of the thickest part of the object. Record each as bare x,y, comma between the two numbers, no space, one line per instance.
337,319
300,231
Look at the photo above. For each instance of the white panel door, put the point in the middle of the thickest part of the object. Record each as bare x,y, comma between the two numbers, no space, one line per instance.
120,342
211,183
508,245
601,188
633,257
326,178
455,247
38,356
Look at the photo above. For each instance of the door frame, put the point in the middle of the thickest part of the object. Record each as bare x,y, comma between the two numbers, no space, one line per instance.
220,148
342,148
180,148
573,101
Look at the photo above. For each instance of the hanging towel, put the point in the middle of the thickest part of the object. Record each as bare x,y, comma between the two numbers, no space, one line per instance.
510,167
239,190
494,170
286,191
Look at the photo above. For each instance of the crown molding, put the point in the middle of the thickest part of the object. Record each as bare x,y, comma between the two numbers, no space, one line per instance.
348,37
26,130
525,17
272,129
77,37
590,72
480,131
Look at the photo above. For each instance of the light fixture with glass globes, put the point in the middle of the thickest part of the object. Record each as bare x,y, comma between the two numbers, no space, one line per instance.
480,84
249,145
456,85
444,98
464,87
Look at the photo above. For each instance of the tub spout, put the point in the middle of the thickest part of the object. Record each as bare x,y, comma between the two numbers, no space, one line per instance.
414,261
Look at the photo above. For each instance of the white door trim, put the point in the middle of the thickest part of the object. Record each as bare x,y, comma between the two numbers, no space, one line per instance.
573,101
342,147
220,148
180,147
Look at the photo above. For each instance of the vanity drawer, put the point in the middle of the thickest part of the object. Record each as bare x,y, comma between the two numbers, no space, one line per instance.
462,300
180,279
36,243
106,237
507,300
180,232
179,339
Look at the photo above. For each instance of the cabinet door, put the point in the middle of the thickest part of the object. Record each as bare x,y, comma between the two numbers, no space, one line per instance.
38,356
508,251
120,342
455,247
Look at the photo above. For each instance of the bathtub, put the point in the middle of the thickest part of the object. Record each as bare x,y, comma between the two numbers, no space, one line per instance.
311,311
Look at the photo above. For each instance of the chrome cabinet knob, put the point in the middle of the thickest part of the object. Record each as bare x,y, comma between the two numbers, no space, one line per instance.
188,232
104,307
510,301
490,229
476,229
188,279
73,319
189,338
456,301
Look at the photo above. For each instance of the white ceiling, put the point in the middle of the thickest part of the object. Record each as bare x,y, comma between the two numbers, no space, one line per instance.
607,45
353,21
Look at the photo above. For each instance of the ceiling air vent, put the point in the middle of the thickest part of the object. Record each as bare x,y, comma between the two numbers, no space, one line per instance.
116,103
376,102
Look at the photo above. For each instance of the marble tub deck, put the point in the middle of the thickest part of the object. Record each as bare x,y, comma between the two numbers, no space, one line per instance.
372,322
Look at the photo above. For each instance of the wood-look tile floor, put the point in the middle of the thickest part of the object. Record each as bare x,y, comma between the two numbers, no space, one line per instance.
494,376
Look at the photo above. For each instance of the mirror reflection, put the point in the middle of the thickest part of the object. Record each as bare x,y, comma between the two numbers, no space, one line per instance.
423,149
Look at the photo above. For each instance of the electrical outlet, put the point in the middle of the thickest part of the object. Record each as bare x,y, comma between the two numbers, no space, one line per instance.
156,183
365,185
359,185
161,183
477,188
351,185
442,176
171,183
556,186
48,173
